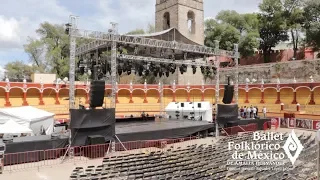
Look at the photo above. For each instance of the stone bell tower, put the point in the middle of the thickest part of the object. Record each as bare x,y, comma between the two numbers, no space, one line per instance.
185,15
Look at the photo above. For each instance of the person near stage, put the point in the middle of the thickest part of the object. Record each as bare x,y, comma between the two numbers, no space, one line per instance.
257,110
245,112
264,111
254,112
241,112
248,112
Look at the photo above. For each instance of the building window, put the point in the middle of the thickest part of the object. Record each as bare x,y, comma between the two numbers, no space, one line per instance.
191,22
166,21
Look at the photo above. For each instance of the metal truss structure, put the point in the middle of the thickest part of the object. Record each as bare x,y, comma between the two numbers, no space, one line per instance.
102,39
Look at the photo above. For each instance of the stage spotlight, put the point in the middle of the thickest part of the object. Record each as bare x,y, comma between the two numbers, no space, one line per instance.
167,73
155,73
202,69
160,74
68,25
194,69
146,72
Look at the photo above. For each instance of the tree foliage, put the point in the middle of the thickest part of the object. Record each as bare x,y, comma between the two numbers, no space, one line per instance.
272,28
312,23
18,70
51,52
231,28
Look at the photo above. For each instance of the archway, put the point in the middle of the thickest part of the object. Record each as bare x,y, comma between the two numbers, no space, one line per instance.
181,95
166,21
286,95
241,96
49,96
303,95
80,97
167,96
152,96
316,93
16,96
107,98
64,97
270,95
191,22
195,95
124,96
2,96
33,95
221,94
254,96
137,96
210,95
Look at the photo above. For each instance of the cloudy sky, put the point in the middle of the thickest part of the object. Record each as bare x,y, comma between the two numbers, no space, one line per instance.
20,18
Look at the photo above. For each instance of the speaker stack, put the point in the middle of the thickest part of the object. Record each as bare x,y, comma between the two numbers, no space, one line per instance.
228,93
97,93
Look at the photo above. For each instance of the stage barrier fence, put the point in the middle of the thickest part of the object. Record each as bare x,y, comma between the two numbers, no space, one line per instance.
51,157
238,129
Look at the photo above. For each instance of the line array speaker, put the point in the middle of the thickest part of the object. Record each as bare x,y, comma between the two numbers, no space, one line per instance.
228,94
96,93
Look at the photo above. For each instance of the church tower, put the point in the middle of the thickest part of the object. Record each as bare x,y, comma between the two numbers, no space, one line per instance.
185,15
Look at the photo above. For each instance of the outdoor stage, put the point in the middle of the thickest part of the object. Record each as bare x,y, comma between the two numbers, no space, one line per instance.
160,129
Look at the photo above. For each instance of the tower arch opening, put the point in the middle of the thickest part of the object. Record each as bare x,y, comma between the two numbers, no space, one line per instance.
191,22
166,20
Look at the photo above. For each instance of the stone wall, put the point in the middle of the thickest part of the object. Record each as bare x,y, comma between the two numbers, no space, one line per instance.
285,71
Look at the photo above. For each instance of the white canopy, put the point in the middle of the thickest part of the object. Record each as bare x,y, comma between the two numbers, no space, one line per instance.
11,127
36,119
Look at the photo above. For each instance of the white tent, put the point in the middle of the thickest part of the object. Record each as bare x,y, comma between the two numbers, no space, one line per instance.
35,119
12,127
190,110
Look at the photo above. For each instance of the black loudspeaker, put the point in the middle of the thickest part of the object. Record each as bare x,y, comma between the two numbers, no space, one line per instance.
199,105
228,94
95,139
96,93
182,104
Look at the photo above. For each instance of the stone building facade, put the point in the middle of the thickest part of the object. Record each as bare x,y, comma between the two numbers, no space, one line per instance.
185,15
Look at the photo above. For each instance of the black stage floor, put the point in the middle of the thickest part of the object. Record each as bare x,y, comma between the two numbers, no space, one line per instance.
162,129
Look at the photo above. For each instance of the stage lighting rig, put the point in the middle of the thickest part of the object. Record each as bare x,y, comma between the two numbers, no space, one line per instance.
183,68
194,69
68,26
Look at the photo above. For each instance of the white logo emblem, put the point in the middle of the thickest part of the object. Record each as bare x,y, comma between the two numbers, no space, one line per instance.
294,145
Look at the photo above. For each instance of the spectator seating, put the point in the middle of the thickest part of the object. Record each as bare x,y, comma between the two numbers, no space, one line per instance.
203,161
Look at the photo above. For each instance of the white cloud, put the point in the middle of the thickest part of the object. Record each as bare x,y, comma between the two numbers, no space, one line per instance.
9,33
20,19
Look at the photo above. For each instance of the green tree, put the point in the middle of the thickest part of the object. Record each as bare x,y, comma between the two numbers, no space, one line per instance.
272,26
294,18
232,28
53,47
312,23
18,70
136,31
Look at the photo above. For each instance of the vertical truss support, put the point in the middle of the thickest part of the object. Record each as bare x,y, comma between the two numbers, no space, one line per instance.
161,99
114,64
236,86
72,61
217,64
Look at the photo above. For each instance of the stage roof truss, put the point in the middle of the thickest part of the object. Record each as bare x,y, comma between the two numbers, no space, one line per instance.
162,60
102,39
